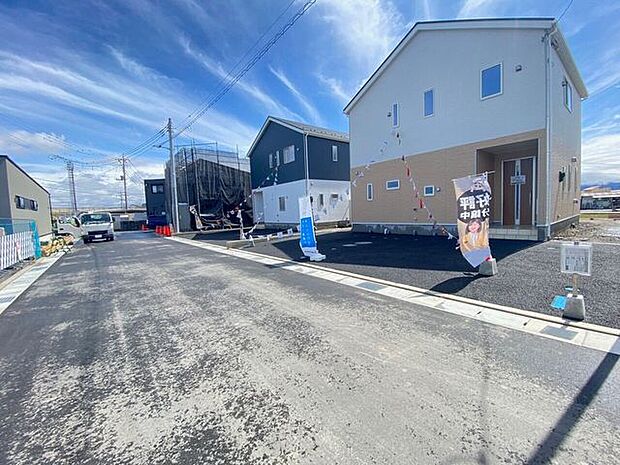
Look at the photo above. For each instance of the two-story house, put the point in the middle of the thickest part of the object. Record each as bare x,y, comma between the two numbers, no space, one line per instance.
289,160
456,98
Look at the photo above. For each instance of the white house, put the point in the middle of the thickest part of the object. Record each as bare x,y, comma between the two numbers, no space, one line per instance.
456,98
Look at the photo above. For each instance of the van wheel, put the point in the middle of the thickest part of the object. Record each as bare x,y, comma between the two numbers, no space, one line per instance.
111,238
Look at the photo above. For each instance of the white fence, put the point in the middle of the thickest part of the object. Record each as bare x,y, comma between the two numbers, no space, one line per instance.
15,248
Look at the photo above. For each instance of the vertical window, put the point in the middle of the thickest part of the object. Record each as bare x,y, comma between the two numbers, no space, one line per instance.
271,161
429,103
334,153
491,81
154,188
568,95
282,203
321,201
20,202
369,192
277,158
289,154
34,205
395,115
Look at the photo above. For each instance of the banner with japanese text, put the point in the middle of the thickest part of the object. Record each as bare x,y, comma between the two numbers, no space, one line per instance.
473,197
307,237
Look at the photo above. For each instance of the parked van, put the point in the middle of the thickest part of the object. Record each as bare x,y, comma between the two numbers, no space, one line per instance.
96,225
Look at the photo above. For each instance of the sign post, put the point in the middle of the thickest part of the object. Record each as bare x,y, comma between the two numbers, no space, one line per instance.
307,238
575,259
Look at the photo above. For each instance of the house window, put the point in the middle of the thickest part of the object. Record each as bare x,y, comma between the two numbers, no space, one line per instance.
20,202
429,191
491,81
429,103
395,115
282,203
321,201
369,192
392,185
289,154
278,158
568,95
157,188
334,153
34,205
271,161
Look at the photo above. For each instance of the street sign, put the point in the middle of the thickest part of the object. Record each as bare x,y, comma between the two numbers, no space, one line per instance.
517,179
576,258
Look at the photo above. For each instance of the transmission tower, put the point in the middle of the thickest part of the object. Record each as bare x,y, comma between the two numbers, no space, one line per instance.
72,193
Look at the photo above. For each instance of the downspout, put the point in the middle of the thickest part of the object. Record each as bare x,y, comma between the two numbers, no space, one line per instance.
306,167
548,119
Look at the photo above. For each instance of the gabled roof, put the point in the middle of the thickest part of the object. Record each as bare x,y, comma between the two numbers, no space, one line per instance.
24,172
302,128
487,23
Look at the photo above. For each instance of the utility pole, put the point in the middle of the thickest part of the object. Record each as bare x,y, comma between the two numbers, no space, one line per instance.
173,180
123,160
72,194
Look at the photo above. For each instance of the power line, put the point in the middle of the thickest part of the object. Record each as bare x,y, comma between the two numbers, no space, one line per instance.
193,117
565,10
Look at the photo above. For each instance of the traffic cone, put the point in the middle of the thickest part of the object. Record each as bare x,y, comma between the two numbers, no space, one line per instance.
158,230
167,232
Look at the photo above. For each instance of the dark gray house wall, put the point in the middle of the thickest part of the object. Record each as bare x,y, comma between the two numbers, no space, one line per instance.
275,138
321,165
155,202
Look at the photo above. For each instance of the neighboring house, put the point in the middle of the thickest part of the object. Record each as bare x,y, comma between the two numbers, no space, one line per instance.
597,198
290,160
22,198
155,202
461,97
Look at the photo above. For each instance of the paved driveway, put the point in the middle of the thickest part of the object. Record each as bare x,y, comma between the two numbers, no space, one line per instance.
146,351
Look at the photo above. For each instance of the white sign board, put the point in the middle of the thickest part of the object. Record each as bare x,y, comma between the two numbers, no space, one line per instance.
517,179
576,258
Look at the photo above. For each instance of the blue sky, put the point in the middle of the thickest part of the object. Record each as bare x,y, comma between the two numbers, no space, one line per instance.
105,75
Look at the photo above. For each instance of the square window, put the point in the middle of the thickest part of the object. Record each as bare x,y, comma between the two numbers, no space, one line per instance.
20,202
392,185
395,115
429,191
282,203
34,205
334,153
369,192
568,95
289,154
429,103
491,81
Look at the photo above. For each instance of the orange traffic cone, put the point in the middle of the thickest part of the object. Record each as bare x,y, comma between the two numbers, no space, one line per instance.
157,229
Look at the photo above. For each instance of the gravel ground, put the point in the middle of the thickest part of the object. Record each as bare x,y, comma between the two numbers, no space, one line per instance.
595,230
528,275
143,351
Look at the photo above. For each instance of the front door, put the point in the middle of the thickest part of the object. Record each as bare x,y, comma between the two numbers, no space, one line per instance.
518,191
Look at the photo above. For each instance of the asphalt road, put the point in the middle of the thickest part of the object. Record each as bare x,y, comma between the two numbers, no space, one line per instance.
528,272
146,351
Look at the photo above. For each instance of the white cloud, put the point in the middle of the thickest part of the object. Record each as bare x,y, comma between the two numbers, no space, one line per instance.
477,8
21,141
310,110
367,29
337,89
601,159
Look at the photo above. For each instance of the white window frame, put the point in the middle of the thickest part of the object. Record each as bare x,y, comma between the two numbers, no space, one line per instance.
334,153
395,115
282,203
370,192
291,150
432,91
501,80
429,191
271,164
397,181
567,95
277,158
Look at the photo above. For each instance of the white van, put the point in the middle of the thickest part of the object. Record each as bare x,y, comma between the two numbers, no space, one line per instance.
96,225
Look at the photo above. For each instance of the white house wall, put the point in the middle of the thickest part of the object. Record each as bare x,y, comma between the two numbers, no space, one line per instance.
331,212
450,62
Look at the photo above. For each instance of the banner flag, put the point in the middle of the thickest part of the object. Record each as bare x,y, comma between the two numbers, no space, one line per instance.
473,197
307,238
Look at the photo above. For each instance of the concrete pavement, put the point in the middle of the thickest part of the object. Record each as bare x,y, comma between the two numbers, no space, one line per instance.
144,350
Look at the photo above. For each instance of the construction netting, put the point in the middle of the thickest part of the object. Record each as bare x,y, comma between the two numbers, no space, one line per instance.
216,181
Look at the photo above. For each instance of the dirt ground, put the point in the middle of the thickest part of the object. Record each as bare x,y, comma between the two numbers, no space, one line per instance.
595,230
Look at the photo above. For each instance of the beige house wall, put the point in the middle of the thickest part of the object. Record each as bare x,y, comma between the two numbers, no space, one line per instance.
436,168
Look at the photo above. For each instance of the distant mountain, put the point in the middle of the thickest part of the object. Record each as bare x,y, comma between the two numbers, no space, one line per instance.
610,185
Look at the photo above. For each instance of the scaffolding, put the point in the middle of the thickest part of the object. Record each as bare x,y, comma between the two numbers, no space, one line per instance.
214,179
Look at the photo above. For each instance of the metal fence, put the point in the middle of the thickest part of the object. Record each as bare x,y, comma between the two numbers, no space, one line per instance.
19,240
